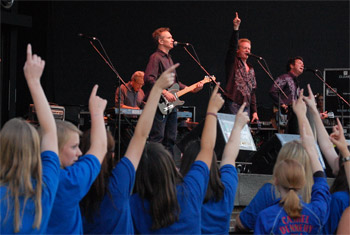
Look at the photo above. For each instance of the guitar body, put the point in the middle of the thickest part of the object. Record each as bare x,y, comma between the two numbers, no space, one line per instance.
167,107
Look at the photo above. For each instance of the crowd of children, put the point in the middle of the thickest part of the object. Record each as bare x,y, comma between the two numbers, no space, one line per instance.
50,185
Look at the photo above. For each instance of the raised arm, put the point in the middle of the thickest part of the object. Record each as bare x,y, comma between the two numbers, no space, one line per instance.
144,124
338,138
33,69
98,137
232,146
321,132
306,135
209,130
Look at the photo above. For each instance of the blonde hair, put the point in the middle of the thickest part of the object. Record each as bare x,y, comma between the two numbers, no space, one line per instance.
290,175
243,40
137,75
64,129
294,150
20,164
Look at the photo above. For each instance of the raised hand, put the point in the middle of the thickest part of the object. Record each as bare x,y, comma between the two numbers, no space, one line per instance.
236,22
242,118
216,101
299,106
337,137
167,78
33,67
97,105
310,100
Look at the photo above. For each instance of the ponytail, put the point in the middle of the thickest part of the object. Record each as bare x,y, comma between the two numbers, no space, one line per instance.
291,203
290,175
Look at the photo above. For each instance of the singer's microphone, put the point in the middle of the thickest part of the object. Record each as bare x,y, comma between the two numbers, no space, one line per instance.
86,36
176,43
310,69
255,56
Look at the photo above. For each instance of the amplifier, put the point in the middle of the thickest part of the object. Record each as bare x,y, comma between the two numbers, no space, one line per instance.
57,111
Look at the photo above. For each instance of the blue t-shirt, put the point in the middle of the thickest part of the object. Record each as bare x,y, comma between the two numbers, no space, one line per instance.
339,202
50,170
190,195
75,182
114,216
274,220
264,198
216,215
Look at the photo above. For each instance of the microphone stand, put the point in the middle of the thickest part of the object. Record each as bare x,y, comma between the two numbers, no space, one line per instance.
205,71
335,92
268,72
110,64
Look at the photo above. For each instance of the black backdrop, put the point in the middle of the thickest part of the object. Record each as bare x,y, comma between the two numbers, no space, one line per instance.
315,30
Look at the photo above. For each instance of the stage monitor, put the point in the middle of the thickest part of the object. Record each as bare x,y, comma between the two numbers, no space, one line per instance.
226,122
265,158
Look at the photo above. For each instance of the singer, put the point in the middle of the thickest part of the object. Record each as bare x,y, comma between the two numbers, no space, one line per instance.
240,76
164,128
289,83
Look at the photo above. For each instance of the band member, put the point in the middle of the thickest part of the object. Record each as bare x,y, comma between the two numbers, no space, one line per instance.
164,127
132,94
289,83
240,76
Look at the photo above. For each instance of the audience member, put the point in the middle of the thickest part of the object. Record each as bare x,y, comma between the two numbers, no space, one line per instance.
164,201
290,214
77,173
106,207
29,166
219,199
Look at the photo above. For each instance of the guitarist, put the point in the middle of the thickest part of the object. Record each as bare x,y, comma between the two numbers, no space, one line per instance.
164,128
289,83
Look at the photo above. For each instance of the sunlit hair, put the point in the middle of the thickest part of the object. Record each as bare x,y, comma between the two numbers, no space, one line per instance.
157,32
340,182
243,40
20,165
290,175
156,180
90,204
295,150
137,75
215,188
291,61
64,130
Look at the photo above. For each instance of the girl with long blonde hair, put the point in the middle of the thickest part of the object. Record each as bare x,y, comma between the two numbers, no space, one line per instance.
29,167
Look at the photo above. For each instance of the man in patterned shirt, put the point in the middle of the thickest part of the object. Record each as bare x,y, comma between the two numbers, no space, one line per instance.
290,85
240,76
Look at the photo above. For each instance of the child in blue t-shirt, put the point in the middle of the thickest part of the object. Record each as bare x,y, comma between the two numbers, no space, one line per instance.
164,201
267,195
291,215
29,179
106,207
340,187
219,199
77,173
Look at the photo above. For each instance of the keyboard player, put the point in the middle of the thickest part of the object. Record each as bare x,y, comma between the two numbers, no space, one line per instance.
132,94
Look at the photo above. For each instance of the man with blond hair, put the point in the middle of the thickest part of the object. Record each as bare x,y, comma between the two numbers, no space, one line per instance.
240,76
132,94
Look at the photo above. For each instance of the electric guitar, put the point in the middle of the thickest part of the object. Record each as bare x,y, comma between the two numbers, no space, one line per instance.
167,107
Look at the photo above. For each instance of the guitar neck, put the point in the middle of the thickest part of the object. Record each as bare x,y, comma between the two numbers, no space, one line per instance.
186,90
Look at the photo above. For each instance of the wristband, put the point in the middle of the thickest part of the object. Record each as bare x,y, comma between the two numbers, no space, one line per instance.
345,159
213,114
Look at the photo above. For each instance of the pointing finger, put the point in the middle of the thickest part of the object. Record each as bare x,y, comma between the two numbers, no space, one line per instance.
242,107
29,52
94,91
